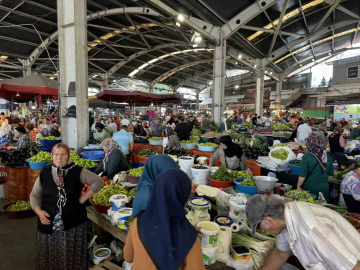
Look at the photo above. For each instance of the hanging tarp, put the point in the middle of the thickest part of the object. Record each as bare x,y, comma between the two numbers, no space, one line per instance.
28,87
316,113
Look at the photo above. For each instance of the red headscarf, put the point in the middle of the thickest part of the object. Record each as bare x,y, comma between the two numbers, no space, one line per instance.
65,146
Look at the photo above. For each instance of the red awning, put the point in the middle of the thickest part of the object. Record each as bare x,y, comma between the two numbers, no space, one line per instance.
138,97
29,87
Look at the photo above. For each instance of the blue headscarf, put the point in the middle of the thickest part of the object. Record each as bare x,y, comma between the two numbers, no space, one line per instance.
167,231
153,167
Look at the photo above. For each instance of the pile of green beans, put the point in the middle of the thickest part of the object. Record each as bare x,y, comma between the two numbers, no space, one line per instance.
103,196
19,206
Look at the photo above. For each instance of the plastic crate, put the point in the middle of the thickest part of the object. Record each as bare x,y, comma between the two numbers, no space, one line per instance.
255,169
15,193
17,176
138,159
31,178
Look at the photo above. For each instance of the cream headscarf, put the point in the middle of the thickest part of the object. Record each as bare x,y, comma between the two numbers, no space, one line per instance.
4,129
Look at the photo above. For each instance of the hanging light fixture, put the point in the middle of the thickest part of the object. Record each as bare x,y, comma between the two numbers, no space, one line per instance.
17,94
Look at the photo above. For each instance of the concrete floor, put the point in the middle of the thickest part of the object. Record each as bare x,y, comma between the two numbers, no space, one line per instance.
17,242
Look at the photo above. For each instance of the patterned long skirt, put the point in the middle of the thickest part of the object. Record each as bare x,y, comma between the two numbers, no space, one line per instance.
62,250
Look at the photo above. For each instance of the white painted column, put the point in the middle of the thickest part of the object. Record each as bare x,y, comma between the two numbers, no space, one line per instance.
218,87
278,95
174,109
320,101
259,93
73,57
105,85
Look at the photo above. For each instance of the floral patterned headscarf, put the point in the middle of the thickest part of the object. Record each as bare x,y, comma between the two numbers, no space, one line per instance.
316,146
337,130
110,145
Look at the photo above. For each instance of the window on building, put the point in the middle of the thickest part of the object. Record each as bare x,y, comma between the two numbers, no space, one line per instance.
353,72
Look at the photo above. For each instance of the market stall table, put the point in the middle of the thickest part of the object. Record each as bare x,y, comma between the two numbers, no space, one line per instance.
99,220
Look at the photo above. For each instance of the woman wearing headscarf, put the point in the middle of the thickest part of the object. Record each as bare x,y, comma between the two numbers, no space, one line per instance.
153,167
230,154
173,140
61,237
350,188
323,129
5,132
114,160
355,133
101,132
316,167
162,237
24,139
336,141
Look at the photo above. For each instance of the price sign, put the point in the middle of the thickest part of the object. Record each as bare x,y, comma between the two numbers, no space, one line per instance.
165,140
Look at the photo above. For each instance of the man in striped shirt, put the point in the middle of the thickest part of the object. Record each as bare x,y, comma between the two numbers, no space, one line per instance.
319,237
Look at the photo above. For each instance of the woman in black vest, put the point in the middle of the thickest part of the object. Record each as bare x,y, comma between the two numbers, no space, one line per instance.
61,238
336,141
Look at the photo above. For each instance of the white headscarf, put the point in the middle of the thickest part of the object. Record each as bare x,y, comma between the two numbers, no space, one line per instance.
4,129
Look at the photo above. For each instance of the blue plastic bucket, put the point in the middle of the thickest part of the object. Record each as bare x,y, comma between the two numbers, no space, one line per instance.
244,189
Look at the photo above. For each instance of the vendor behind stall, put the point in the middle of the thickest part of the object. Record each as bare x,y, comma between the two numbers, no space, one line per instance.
319,237
114,160
173,140
3,119
230,154
139,130
316,167
101,132
350,188
355,132
336,141
24,139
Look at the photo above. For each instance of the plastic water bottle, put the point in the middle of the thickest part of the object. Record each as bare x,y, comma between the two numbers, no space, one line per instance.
336,166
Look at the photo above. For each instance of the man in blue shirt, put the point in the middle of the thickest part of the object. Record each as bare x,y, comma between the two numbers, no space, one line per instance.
125,140
156,128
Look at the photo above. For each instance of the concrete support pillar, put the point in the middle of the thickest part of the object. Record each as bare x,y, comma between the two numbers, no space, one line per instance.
174,109
27,68
218,87
73,56
259,93
320,101
278,95
105,85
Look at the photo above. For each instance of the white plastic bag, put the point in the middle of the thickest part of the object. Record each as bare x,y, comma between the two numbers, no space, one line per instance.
290,157
275,142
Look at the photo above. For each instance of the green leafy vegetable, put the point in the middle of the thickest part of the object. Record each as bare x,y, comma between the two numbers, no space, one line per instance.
222,174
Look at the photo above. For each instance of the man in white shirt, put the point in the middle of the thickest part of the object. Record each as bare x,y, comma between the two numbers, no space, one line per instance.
303,132
267,121
319,237
328,122
96,120
125,122
33,119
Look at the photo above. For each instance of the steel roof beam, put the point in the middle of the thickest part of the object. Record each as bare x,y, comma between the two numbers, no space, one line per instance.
271,31
7,14
303,15
205,29
36,19
308,61
357,28
158,79
97,15
138,54
245,16
138,31
334,5
282,50
192,78
278,26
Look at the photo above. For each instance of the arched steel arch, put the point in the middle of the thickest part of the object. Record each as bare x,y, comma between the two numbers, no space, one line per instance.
96,15
138,54
174,70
